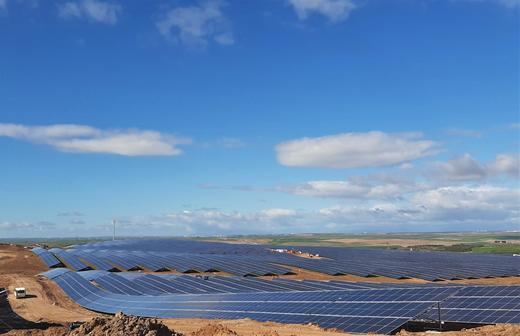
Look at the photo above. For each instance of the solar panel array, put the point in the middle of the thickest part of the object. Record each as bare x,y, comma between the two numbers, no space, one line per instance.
70,260
153,284
489,304
48,258
353,307
408,264
254,260
361,310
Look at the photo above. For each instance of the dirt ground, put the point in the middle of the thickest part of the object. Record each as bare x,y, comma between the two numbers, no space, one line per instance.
51,309
303,274
391,242
246,327
498,330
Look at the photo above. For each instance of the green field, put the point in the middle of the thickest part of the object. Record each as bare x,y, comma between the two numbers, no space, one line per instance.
479,242
452,242
50,242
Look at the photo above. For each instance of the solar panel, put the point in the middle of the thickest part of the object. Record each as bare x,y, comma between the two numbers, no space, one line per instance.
69,259
54,273
484,304
255,260
381,310
94,261
48,258
117,284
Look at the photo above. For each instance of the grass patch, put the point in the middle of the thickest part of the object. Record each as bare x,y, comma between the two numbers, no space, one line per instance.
498,249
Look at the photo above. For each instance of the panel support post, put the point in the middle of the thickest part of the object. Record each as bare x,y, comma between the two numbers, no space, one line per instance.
439,315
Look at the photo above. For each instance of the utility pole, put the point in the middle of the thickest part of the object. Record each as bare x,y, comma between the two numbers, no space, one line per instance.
114,224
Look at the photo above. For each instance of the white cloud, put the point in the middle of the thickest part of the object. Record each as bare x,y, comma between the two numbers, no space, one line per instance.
480,207
278,213
214,221
334,10
462,168
86,139
465,168
18,226
352,150
449,207
464,203
3,4
352,189
197,25
505,164
446,208
15,226
93,10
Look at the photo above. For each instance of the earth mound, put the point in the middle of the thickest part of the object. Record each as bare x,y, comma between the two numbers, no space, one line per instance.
123,325
214,329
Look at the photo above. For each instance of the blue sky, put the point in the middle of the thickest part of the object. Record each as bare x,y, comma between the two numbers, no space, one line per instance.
276,116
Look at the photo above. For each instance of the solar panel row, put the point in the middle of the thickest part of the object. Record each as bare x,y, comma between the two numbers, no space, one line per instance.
184,263
69,259
237,259
490,304
48,258
378,311
148,284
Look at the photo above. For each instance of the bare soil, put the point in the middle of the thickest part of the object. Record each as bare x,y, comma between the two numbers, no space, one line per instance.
303,274
247,327
391,242
122,325
498,330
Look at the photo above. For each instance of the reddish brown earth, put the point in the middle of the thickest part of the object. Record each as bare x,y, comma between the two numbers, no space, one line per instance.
498,330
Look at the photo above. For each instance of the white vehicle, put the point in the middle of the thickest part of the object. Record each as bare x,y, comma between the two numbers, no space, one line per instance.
19,292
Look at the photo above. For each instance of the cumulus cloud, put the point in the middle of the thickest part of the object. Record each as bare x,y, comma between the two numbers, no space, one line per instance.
353,150
207,221
451,206
86,139
92,10
466,168
197,25
355,189
465,203
462,168
505,164
443,208
334,10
